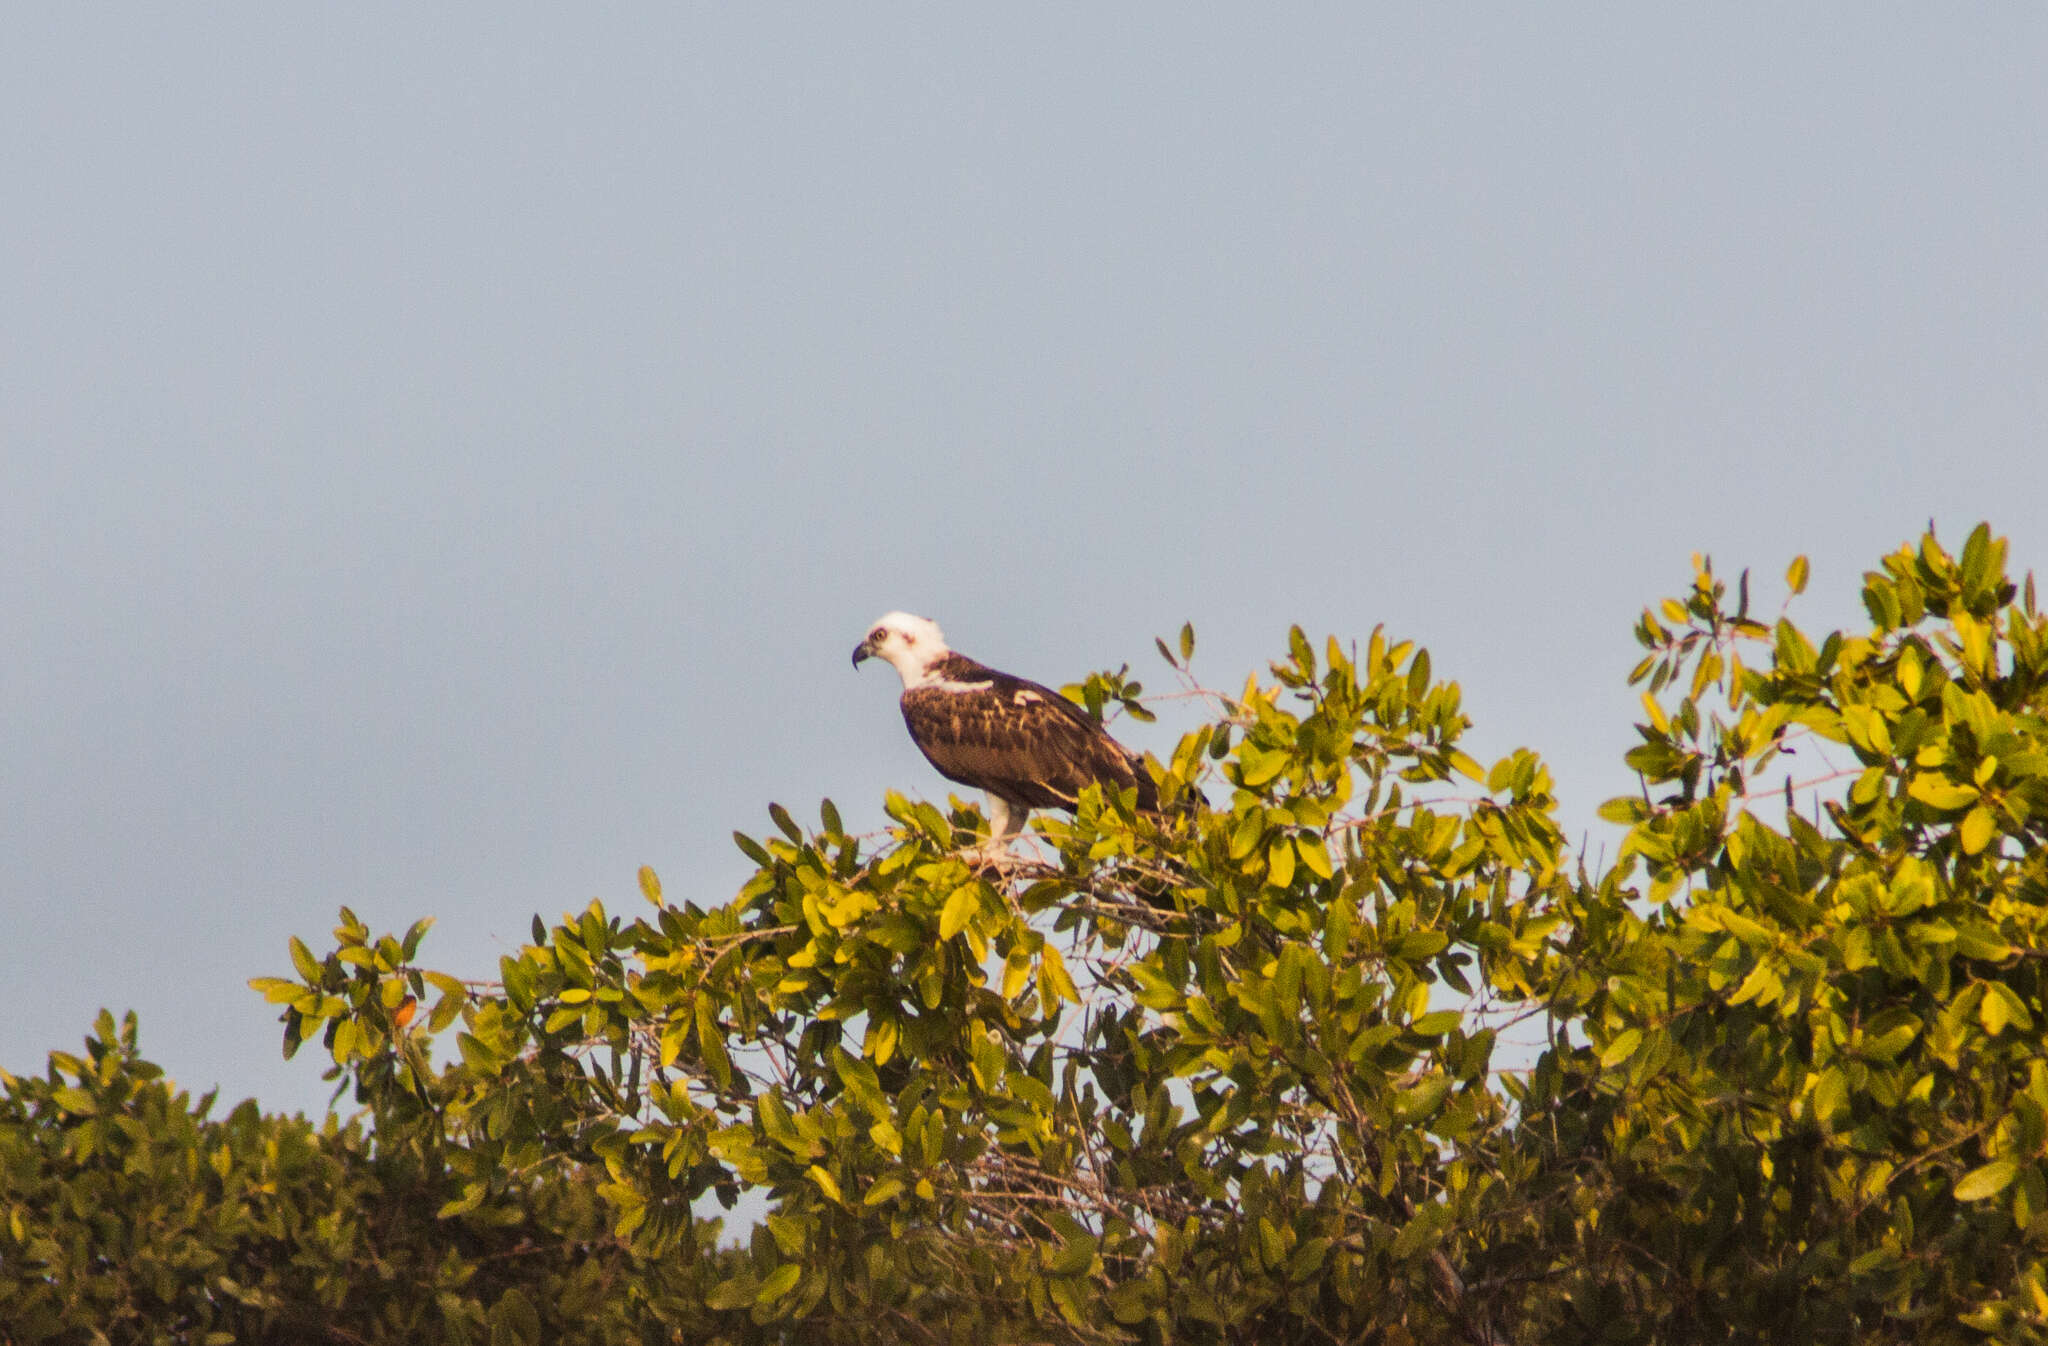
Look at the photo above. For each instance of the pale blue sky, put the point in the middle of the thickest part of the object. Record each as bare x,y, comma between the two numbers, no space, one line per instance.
445,459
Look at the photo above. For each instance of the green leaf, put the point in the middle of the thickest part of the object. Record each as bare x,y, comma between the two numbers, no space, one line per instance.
1257,766
1154,991
475,1054
1421,1232
1307,1259
1420,1102
1073,1258
736,1293
1418,676
1626,810
1795,578
1439,1022
514,1322
1976,557
1417,945
414,935
1975,939
650,885
1987,1181
446,985
302,958
882,1190
1298,649
1795,653
1831,1095
446,1010
749,848
1622,1046
473,1195
779,1283
711,1042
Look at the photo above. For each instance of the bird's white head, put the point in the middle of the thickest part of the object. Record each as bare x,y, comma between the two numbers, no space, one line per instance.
910,644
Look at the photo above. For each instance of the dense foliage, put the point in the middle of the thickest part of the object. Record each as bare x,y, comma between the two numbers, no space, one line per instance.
1341,1046
130,1215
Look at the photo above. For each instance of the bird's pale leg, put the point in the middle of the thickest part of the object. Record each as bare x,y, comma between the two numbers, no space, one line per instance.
1005,821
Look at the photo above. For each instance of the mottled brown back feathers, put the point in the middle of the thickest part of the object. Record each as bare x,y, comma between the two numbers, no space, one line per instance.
1015,739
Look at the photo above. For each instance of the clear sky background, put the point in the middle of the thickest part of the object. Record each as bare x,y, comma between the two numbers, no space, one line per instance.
446,458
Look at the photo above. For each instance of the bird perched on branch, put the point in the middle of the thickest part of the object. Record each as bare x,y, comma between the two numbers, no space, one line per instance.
1025,745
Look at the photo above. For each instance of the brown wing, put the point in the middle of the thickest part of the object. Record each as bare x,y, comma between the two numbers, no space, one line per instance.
1020,741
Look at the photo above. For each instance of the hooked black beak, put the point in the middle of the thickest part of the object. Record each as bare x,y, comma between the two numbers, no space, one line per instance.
864,650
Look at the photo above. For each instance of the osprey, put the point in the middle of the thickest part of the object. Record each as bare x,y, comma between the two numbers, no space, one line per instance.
1027,746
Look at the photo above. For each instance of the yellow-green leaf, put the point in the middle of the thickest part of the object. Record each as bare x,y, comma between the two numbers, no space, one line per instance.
302,958
958,909
1052,971
1831,1095
1938,792
1977,829
446,984
711,1042
1975,939
1624,809
1439,1022
2000,1006
1257,766
1314,856
1016,969
1622,1047
1413,1105
1280,862
735,1293
884,1031
1989,1180
780,1282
